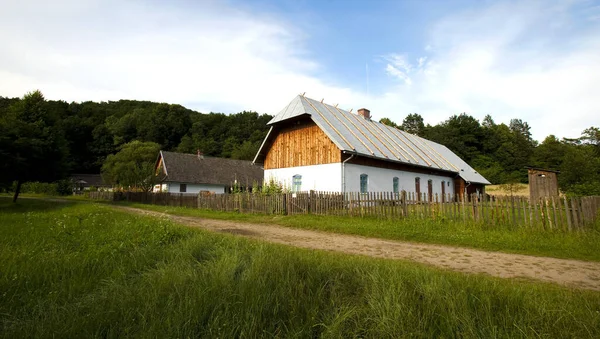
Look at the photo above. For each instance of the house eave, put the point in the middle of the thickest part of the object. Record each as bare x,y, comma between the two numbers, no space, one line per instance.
436,169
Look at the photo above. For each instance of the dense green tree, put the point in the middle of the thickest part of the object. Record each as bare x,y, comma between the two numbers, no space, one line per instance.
246,151
387,121
591,136
413,124
461,133
186,145
132,167
580,171
32,146
550,153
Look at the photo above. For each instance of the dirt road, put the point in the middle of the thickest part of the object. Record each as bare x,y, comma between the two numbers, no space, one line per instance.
572,273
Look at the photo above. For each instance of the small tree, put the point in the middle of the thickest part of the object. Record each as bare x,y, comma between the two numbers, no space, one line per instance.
511,187
272,187
133,166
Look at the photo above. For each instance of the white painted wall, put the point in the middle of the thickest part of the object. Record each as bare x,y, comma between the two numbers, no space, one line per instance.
173,187
327,177
381,180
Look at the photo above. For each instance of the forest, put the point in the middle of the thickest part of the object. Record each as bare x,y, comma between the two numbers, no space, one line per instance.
63,138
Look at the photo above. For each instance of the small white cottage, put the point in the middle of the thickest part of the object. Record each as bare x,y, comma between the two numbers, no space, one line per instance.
194,173
315,146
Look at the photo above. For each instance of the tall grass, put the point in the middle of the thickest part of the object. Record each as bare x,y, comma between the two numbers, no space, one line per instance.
583,244
82,270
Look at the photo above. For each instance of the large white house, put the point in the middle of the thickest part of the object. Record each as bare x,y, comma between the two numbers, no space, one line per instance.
315,146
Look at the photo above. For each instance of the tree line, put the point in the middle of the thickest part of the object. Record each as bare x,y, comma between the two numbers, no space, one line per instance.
45,140
501,152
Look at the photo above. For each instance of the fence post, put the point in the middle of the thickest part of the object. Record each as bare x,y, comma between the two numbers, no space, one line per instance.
475,207
403,202
285,204
574,213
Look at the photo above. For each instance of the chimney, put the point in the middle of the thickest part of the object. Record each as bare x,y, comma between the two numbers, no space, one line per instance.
365,113
200,155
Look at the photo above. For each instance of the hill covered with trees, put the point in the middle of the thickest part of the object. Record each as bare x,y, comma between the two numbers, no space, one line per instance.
80,136
501,152
93,130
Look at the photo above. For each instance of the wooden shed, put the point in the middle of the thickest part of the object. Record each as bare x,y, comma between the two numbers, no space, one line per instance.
542,183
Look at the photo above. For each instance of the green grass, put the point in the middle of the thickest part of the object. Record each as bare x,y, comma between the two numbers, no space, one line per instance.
582,245
83,270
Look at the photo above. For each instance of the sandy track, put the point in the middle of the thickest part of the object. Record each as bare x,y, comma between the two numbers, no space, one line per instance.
572,273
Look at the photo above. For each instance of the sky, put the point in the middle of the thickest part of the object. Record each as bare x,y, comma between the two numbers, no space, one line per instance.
538,61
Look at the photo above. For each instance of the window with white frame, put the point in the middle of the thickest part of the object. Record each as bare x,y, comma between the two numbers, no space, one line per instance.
296,183
364,183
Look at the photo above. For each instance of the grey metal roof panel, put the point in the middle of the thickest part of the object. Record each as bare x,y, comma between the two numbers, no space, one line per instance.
350,132
464,170
293,109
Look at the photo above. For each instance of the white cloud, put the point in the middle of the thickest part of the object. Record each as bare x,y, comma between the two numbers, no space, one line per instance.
527,60
399,67
209,56
511,60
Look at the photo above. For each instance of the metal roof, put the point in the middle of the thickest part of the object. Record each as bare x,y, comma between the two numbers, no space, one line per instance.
353,133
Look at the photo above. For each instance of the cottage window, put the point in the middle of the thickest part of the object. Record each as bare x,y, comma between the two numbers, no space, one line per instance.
182,188
364,183
430,189
443,191
296,183
395,184
418,188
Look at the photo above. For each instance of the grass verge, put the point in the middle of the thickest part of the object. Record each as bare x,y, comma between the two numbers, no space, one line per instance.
582,245
84,270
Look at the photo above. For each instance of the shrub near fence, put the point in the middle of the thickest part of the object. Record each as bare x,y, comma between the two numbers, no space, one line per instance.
550,213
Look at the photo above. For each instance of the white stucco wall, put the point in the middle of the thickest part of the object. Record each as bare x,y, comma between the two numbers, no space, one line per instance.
327,177
173,187
381,180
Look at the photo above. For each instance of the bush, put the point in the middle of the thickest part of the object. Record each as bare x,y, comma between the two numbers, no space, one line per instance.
64,187
61,187
584,189
272,187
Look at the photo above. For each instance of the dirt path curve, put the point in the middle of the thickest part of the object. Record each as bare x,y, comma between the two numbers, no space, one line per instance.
573,273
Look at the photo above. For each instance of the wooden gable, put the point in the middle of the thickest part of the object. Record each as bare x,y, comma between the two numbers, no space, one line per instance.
301,144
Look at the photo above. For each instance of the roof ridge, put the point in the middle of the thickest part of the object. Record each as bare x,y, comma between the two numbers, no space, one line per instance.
205,156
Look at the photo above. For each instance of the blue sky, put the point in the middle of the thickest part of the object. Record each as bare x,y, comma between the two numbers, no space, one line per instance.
534,60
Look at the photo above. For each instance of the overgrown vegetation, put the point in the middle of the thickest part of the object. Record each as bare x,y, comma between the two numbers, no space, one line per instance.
584,244
83,270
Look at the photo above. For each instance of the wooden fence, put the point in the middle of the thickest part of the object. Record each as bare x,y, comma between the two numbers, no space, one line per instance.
550,213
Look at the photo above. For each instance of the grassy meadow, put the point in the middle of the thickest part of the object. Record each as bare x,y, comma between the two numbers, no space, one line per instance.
517,190
84,270
582,245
